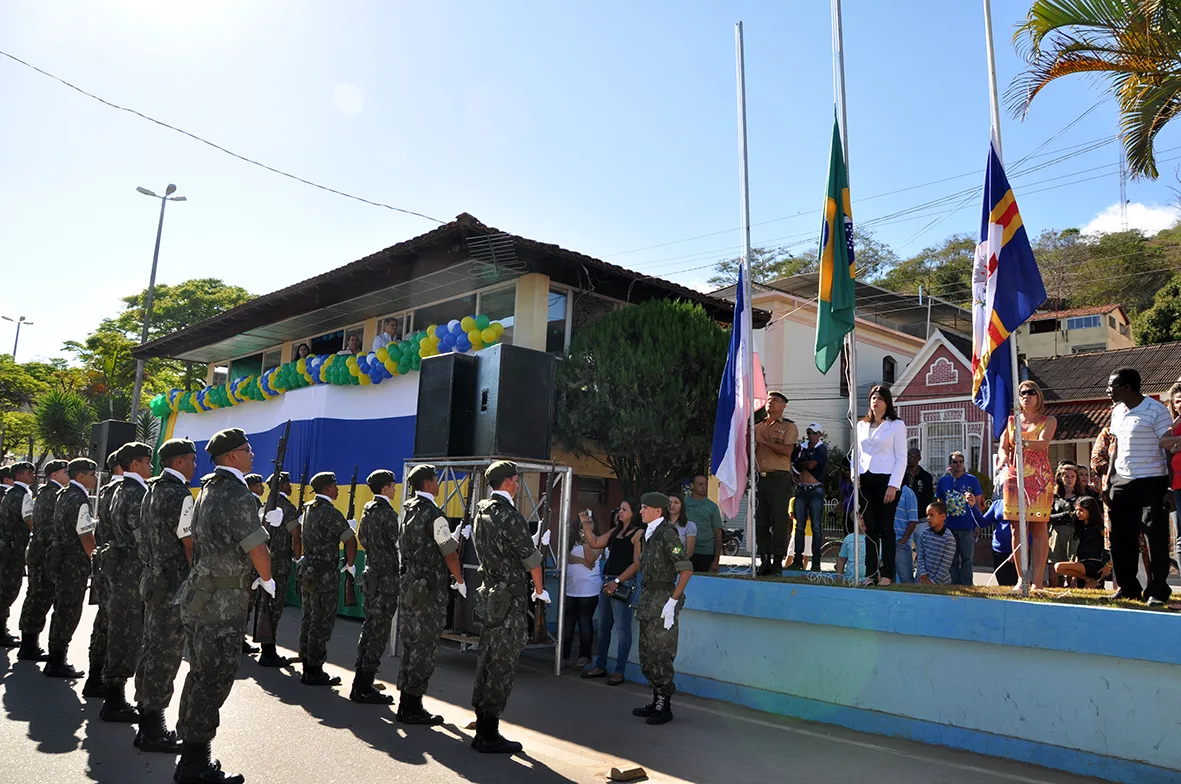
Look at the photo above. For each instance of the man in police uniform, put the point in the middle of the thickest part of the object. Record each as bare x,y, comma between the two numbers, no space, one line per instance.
775,442
666,571
324,528
509,560
165,550
39,593
227,543
378,534
125,608
283,526
98,580
73,542
429,555
16,521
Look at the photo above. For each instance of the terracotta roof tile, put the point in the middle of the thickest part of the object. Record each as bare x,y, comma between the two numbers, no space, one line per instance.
1095,310
1084,376
1079,420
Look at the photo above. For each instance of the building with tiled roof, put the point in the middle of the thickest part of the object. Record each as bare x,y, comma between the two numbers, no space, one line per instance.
1061,332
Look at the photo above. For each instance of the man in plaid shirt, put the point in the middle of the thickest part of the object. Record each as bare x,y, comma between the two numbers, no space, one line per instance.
933,564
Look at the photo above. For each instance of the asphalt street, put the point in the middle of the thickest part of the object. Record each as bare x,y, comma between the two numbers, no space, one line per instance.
273,729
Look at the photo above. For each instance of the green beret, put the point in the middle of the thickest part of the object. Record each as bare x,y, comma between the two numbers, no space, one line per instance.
380,478
134,451
112,460
23,465
654,500
53,466
499,471
283,477
421,473
225,441
253,479
81,465
323,480
176,447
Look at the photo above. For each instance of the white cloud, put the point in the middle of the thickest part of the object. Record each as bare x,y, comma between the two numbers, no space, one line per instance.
1150,219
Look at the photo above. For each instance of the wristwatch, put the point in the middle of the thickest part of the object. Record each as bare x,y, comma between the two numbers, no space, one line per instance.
617,582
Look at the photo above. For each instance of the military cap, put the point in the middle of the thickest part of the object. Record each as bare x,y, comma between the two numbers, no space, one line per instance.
654,500
225,441
176,447
779,395
323,480
112,460
80,465
23,465
53,466
499,471
253,479
283,477
134,451
380,478
421,473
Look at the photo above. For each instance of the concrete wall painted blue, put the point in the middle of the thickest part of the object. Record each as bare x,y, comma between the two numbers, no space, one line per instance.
1091,690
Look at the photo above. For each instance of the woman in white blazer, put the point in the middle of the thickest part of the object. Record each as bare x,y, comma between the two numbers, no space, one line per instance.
881,447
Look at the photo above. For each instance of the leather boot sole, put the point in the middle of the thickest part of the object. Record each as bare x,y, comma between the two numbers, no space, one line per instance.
126,715
497,746
423,719
372,698
278,661
65,671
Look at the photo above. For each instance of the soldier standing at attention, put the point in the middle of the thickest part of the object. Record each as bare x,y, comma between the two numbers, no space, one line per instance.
16,521
666,570
227,543
378,534
775,444
39,593
324,528
285,545
429,554
73,542
255,483
125,608
165,550
98,581
508,560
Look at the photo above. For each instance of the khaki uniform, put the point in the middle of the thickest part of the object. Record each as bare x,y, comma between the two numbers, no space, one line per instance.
774,489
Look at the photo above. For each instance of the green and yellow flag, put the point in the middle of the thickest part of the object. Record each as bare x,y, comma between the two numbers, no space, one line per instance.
834,311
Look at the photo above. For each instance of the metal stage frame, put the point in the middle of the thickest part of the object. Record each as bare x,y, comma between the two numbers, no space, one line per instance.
538,510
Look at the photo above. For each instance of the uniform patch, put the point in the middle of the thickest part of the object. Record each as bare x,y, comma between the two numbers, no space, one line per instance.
184,526
85,524
442,530
27,506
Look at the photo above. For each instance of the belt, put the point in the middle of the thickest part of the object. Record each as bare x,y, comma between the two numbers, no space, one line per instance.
773,473
243,582
810,485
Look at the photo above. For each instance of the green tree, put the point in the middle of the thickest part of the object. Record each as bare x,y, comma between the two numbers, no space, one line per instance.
19,387
20,432
1122,267
638,392
767,265
64,420
1134,44
1160,323
943,271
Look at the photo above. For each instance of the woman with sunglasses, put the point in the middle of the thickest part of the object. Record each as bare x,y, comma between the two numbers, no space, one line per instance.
1037,431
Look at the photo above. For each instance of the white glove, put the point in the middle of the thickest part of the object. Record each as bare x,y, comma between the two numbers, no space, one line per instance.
464,531
541,597
461,587
266,585
274,518
350,568
545,538
353,525
669,613
541,539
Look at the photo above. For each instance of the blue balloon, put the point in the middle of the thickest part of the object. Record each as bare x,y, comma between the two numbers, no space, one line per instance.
363,363
463,344
376,377
440,331
448,342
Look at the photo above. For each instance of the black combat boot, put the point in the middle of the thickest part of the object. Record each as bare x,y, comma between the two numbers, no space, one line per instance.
663,713
646,710
315,676
94,687
57,667
7,640
488,739
364,692
248,648
797,564
410,711
116,707
270,657
196,767
29,650
154,735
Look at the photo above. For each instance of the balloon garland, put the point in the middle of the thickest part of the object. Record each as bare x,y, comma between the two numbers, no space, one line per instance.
471,333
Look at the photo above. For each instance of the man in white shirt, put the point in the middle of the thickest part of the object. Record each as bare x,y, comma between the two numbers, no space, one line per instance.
388,334
1138,480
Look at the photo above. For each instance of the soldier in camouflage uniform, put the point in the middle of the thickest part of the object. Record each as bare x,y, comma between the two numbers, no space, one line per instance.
257,488
378,534
324,528
229,546
125,608
69,559
40,590
666,570
16,521
508,561
429,554
98,581
165,551
283,526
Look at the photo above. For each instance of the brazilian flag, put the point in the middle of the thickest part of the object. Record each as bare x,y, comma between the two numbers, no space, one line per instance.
834,311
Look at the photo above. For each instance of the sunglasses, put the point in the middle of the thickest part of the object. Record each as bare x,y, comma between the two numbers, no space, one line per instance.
957,462
1028,393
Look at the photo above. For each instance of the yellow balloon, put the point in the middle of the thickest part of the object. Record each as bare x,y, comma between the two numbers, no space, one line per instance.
430,331
364,379
301,366
474,336
467,323
489,335
496,325
329,361
390,366
354,370
477,344
383,354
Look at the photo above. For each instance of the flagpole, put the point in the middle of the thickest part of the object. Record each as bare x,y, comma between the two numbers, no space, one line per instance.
747,326
838,56
1018,440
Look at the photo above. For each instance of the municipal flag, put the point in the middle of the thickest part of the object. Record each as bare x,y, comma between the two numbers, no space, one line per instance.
834,311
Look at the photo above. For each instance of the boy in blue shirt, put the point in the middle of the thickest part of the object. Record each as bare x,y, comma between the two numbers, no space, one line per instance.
906,517
938,550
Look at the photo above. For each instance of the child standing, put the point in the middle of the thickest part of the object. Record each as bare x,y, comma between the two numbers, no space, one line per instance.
933,565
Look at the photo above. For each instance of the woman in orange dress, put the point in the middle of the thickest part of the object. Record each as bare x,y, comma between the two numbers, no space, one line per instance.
1037,431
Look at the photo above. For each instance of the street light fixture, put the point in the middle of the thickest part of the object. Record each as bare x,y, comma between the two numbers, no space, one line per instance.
139,363
18,322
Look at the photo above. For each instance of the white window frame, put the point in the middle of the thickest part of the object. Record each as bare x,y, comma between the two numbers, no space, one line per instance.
1083,322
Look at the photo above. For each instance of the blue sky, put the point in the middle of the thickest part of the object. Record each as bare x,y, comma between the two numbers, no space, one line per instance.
605,127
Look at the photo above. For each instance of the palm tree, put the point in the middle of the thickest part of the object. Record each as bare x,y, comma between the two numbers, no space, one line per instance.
64,420
1132,44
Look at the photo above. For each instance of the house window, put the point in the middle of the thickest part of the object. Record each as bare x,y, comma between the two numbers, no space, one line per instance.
271,358
1123,329
1060,452
1043,326
500,305
557,328
399,325
889,366
328,343
1111,321
221,374
1084,322
443,312
591,490
943,438
246,366
359,331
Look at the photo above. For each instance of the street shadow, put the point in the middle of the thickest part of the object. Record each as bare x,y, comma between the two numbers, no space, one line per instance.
49,706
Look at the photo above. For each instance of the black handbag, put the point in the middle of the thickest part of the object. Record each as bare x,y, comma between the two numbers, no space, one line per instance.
623,591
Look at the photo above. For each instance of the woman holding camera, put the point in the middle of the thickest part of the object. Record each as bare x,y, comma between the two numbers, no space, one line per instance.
622,542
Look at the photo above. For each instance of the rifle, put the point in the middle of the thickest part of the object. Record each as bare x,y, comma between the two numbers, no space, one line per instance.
264,603
350,582
457,613
540,629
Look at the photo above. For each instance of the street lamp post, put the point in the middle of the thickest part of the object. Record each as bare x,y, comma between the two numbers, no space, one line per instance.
18,322
139,363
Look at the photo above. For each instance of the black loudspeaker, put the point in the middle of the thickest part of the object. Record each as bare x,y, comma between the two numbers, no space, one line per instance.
106,437
446,396
514,403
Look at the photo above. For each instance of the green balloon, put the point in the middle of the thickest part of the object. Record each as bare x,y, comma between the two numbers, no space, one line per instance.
395,352
416,362
482,322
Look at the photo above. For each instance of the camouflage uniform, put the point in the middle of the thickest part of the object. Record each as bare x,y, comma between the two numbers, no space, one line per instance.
215,598
324,528
662,558
125,608
71,564
99,576
378,534
39,594
425,580
16,505
282,551
166,523
507,554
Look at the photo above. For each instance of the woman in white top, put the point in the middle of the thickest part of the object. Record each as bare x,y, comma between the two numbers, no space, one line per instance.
881,445
584,581
685,527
